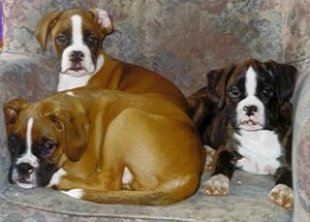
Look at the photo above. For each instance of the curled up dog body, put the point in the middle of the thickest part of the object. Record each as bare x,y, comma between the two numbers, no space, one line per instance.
105,146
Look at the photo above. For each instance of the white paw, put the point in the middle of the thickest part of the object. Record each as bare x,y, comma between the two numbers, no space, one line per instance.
209,158
217,185
282,195
56,177
74,193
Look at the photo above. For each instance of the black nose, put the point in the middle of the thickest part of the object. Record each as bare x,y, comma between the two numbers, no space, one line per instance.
24,168
76,56
250,110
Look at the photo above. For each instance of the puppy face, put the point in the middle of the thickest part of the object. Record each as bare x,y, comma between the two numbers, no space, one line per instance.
249,96
77,37
37,142
252,93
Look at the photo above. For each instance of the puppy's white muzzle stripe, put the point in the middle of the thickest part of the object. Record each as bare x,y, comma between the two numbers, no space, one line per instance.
251,82
77,45
28,157
28,134
251,99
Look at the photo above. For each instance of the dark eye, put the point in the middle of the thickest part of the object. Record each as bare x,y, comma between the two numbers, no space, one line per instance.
91,40
268,92
13,143
234,92
61,39
47,147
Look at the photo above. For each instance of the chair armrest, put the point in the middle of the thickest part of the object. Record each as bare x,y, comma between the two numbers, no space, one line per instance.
27,76
24,76
301,148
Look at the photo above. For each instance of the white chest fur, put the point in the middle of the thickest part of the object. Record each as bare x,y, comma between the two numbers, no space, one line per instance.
260,150
69,82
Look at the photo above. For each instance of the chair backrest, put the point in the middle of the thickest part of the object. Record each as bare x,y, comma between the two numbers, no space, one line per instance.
183,40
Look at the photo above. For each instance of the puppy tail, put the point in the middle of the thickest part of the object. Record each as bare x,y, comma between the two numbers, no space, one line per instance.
168,193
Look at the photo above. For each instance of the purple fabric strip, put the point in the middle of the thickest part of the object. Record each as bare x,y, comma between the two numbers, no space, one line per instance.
0,20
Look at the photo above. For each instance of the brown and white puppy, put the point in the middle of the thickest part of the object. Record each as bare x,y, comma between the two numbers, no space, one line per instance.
249,124
77,36
105,146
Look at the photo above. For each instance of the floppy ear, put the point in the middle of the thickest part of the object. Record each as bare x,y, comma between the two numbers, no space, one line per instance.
286,76
12,109
74,128
216,84
103,19
44,27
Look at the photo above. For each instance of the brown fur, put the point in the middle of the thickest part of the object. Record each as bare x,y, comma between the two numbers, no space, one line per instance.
218,120
98,133
115,74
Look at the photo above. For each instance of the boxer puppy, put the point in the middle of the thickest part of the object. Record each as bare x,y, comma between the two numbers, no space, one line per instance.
77,36
105,146
249,124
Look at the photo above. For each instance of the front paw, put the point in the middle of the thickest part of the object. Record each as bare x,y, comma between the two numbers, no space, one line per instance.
217,185
57,176
74,193
282,195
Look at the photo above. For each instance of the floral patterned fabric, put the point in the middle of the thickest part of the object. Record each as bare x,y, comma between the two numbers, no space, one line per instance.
182,40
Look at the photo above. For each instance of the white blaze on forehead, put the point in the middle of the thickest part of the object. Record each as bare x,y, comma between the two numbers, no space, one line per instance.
71,78
77,35
28,134
78,45
251,100
28,157
250,82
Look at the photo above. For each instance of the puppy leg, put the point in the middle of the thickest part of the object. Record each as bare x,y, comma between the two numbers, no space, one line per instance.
100,182
218,184
63,181
210,157
282,193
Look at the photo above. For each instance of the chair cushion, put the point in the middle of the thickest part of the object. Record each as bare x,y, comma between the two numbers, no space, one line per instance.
248,201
